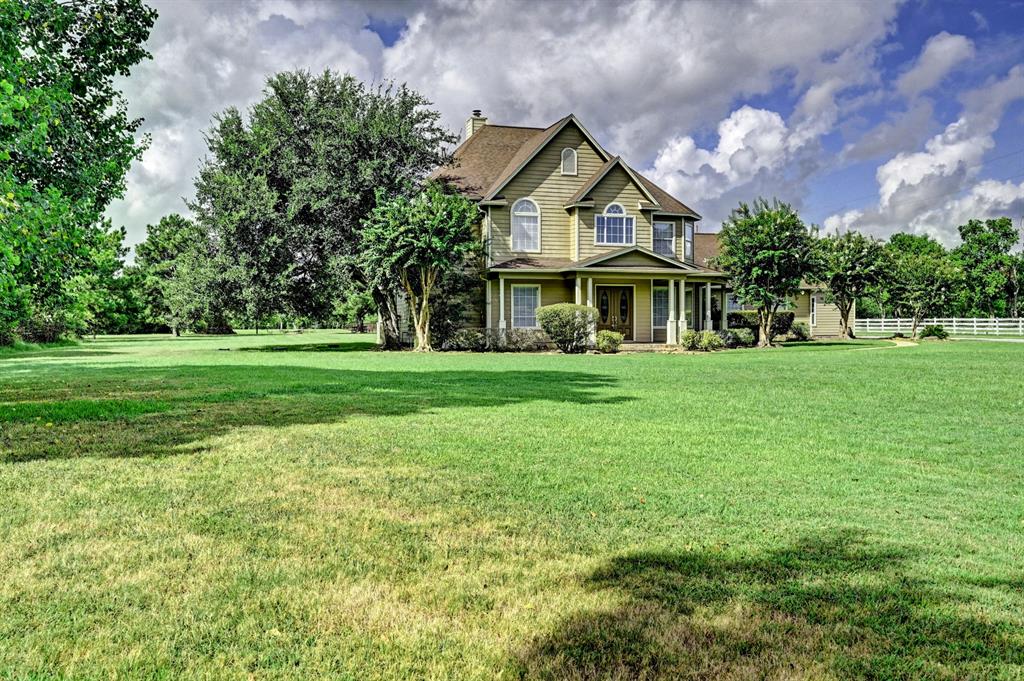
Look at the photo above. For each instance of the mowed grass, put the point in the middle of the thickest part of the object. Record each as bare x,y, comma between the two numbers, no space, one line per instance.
301,506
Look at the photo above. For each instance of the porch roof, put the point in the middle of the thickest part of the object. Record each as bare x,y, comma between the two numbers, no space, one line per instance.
632,260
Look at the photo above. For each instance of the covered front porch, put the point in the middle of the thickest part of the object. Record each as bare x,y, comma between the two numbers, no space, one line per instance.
647,300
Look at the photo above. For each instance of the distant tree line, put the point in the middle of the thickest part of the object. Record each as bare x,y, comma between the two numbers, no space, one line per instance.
769,253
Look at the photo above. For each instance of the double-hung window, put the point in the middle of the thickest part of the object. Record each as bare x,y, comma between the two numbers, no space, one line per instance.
688,242
525,226
614,227
659,306
665,238
525,301
814,310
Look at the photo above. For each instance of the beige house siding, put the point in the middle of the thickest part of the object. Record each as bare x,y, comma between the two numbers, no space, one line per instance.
551,291
542,181
677,230
828,317
564,291
615,187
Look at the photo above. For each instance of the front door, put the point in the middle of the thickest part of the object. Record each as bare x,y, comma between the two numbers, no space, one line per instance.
615,310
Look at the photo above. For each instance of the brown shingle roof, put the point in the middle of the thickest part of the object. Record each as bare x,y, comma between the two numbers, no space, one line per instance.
668,202
705,247
480,160
532,263
529,147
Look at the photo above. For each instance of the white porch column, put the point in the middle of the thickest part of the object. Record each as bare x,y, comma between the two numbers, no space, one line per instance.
590,303
725,315
579,291
672,329
501,304
707,306
682,306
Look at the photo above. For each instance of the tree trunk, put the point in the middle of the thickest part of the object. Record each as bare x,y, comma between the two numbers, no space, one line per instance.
764,320
844,319
387,318
419,306
914,324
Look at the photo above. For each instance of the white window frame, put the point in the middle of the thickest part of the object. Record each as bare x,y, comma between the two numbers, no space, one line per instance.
575,161
688,229
625,216
813,316
512,226
512,305
672,228
668,311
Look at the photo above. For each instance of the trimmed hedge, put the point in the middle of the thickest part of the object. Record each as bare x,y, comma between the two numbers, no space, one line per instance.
709,340
567,325
747,319
608,342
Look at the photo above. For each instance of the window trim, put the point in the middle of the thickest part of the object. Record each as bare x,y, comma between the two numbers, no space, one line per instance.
575,161
654,227
667,305
511,225
512,305
688,225
812,315
625,216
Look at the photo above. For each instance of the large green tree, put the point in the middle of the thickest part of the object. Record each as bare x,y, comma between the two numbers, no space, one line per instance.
926,284
988,266
286,188
156,259
849,265
66,143
767,251
419,242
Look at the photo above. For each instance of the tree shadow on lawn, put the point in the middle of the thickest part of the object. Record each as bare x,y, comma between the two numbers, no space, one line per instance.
347,346
824,607
126,411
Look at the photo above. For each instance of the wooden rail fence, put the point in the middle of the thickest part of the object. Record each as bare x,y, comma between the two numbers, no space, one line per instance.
957,326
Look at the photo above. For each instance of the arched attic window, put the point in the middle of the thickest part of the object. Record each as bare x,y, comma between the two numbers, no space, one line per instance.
568,161
614,227
525,226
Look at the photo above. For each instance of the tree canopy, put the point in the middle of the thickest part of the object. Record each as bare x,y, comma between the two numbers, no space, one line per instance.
767,251
66,143
286,188
418,242
848,265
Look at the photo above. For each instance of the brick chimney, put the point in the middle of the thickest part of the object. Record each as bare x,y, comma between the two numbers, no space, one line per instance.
475,122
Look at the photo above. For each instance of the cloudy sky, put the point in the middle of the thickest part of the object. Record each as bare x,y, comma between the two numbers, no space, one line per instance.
881,116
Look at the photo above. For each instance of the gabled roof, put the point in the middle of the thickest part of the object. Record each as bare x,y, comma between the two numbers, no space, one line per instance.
480,160
494,154
607,259
668,203
606,168
534,147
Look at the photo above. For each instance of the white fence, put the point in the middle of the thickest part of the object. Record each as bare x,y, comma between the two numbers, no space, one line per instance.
958,326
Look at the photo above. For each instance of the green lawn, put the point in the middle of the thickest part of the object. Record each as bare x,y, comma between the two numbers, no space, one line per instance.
301,506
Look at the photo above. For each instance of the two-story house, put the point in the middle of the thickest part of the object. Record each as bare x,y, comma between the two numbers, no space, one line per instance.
564,220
